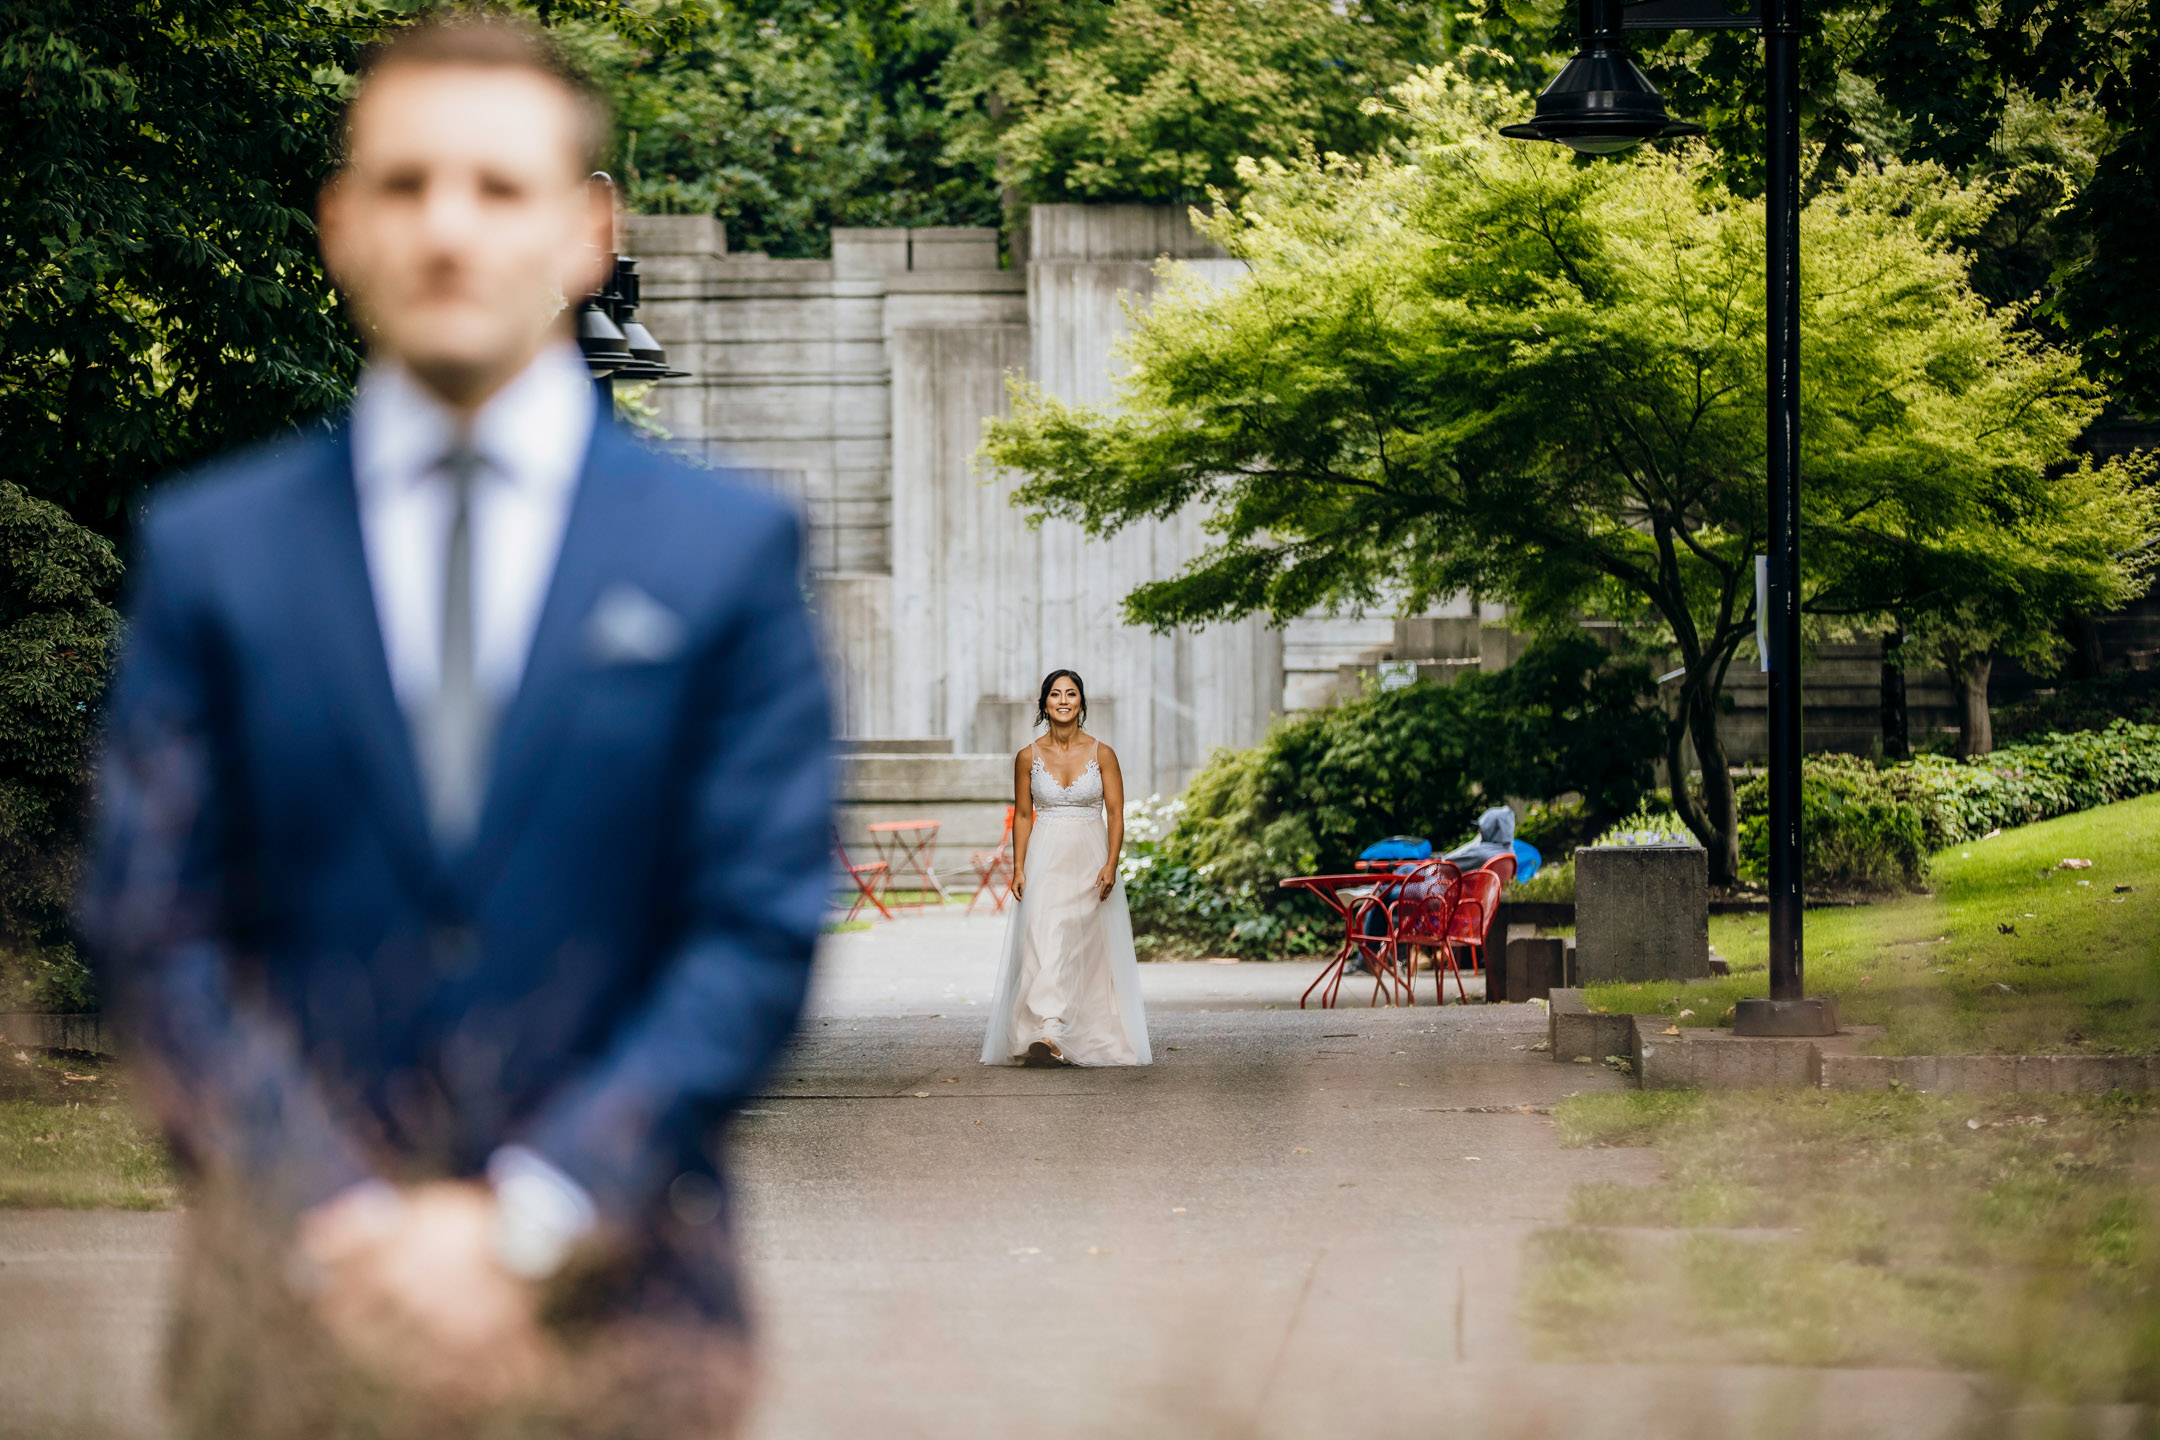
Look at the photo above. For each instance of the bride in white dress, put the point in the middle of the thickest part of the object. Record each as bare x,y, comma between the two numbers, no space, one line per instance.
1069,986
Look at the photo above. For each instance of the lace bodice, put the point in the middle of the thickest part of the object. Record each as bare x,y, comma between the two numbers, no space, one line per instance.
1082,800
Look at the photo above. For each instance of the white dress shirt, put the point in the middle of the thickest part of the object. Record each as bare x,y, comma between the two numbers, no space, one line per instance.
531,439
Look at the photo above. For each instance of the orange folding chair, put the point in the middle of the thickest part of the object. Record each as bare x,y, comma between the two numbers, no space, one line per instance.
990,866
870,878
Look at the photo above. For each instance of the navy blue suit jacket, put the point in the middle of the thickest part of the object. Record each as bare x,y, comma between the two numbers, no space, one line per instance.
318,996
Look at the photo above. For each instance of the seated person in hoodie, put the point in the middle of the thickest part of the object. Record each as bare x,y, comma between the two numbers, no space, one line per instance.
1496,836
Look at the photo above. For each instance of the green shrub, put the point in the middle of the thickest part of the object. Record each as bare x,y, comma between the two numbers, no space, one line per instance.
1857,831
1870,827
2018,784
1201,873
55,635
1554,883
1422,760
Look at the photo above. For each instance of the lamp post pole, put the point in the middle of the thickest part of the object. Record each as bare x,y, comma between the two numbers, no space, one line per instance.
1599,105
1781,201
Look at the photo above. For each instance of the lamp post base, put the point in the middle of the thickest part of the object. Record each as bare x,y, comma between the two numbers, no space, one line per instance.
1814,1016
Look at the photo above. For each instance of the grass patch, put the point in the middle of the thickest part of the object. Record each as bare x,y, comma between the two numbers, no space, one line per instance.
2016,1234
69,1138
2077,969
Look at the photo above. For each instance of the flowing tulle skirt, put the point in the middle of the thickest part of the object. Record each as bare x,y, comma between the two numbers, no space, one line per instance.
1068,972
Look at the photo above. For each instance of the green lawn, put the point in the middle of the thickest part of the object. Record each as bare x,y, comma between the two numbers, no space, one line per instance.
2016,1235
70,1138
2008,954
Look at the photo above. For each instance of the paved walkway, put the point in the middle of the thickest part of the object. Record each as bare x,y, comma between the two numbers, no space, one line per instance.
1296,1224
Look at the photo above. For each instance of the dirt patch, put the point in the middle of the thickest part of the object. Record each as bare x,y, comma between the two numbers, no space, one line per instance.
58,1077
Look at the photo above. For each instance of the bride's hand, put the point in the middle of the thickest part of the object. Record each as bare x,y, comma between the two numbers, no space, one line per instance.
1019,886
1106,880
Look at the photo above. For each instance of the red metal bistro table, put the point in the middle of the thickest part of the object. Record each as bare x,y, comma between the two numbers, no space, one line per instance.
1337,892
909,847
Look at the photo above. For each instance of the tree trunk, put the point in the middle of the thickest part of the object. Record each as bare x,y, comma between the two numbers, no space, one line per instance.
1720,803
1976,731
1714,813
1896,726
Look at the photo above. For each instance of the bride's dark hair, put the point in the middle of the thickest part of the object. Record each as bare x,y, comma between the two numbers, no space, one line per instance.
1042,701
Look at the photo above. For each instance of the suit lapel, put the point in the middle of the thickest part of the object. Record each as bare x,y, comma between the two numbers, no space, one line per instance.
345,637
594,550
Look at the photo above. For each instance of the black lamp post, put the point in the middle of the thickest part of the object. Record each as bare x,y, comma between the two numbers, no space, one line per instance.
1602,103
615,344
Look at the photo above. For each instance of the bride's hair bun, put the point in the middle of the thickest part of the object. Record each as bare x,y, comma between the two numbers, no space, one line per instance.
1042,701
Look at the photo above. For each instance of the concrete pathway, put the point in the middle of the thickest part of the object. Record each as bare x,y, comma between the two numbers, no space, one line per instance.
1295,1224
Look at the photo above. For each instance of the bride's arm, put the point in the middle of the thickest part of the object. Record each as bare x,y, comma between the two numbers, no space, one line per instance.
1113,796
1023,820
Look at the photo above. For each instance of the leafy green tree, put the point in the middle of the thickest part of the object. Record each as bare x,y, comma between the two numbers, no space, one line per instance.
160,295
2055,103
1151,100
1493,369
785,118
56,631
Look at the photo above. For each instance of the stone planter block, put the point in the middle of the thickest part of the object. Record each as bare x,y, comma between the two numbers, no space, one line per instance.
1642,913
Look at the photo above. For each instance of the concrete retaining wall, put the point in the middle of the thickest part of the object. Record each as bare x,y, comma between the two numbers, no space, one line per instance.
858,386
2038,1074
54,1032
966,794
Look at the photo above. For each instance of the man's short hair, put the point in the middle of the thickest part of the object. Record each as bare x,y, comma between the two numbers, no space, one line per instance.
491,39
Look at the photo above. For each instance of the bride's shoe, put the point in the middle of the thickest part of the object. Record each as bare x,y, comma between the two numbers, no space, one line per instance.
1045,1054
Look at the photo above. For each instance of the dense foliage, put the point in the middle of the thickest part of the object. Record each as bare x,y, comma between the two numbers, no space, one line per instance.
56,631
784,118
1870,827
1420,760
160,295
1155,100
1492,369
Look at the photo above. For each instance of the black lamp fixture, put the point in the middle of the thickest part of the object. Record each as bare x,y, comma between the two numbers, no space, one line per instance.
1601,103
615,344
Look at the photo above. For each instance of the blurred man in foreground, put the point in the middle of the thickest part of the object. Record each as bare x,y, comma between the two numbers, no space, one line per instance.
464,829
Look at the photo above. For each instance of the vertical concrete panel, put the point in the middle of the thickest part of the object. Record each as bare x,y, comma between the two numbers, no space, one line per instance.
1182,695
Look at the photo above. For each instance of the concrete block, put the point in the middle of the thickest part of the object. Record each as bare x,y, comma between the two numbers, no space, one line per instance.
644,235
1642,913
908,779
1865,1072
1573,1032
1705,1059
953,247
862,251
1532,969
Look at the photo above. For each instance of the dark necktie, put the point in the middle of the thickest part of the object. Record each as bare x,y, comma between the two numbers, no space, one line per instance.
456,729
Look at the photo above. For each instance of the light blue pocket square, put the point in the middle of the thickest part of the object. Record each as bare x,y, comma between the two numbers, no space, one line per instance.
629,627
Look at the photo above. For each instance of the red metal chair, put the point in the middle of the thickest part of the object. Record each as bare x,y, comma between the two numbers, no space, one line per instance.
870,878
1472,902
1503,866
1404,913
990,865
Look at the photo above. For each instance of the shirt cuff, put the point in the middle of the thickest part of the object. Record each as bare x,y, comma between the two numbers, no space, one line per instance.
541,1213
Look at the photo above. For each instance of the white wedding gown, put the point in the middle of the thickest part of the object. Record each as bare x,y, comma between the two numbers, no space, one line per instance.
1068,973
